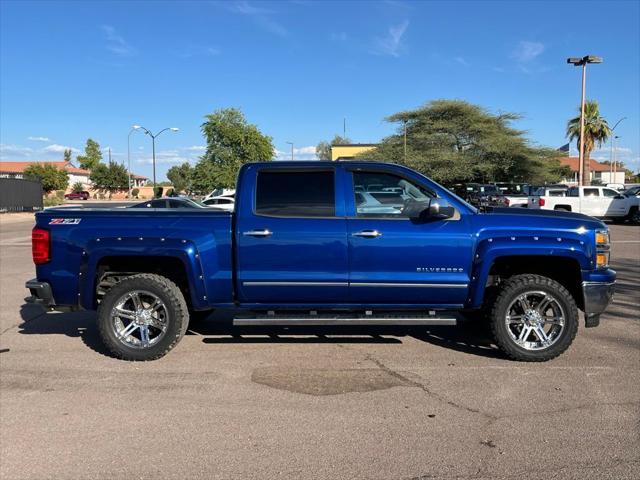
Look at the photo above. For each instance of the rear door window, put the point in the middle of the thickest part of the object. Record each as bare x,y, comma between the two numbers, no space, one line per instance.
591,192
296,194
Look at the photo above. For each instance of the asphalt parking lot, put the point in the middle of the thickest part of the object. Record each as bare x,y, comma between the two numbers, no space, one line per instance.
340,403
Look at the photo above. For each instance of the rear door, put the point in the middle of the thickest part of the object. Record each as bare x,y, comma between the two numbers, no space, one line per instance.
616,204
394,260
592,203
291,237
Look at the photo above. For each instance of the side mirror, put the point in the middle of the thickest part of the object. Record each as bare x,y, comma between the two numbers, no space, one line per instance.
619,197
424,211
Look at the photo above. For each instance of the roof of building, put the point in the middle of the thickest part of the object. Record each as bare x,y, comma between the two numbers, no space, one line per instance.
572,162
19,167
355,145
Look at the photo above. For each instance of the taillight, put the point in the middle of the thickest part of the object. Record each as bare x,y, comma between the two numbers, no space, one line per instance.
541,202
506,202
40,245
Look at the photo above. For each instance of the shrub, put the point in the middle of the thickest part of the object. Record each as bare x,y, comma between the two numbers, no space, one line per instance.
77,187
60,194
135,192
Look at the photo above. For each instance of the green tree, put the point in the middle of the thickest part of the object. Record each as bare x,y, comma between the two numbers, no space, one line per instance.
92,155
454,141
596,131
323,149
67,154
51,177
231,142
77,187
181,177
109,177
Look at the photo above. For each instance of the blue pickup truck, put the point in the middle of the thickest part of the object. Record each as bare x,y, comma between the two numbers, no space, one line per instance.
326,243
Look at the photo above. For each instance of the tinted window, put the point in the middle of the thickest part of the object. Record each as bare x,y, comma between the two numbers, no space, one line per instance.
573,192
609,193
591,192
296,194
384,194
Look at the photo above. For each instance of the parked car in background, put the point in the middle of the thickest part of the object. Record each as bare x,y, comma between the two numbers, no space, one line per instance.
173,202
77,195
632,192
514,194
616,186
226,203
595,201
480,195
221,192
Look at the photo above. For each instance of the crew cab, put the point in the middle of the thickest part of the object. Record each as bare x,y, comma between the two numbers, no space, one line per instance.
596,201
317,243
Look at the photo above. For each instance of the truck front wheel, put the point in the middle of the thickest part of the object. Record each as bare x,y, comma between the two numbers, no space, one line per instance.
534,318
142,317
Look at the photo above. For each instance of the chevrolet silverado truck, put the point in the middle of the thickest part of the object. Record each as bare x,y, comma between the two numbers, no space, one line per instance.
326,243
596,201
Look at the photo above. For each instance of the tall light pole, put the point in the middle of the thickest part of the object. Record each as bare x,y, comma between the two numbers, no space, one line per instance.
612,168
134,128
615,169
290,143
153,147
583,63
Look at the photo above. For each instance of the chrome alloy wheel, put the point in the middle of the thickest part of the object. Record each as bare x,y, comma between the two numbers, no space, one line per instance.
535,320
139,319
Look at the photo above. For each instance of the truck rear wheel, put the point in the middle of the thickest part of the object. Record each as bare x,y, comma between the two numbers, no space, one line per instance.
142,317
534,318
634,215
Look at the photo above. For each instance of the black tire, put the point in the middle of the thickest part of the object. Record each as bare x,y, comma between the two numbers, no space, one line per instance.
176,322
513,288
634,216
562,209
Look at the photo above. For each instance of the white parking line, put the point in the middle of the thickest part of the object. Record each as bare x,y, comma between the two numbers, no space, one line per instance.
626,241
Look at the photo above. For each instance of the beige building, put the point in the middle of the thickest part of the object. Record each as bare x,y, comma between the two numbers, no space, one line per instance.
348,151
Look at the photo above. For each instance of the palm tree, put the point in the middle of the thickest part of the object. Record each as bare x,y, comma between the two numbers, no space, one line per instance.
596,130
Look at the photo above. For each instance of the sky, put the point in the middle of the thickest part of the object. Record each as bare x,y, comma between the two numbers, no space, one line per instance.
74,70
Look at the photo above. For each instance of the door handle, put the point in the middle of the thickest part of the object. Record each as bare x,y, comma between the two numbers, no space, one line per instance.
258,233
367,234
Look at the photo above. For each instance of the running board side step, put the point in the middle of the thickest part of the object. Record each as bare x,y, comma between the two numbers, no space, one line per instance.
319,320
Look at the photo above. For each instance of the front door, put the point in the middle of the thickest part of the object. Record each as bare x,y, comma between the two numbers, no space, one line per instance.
292,244
394,260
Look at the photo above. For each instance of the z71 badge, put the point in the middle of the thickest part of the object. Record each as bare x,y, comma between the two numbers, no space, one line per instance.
65,221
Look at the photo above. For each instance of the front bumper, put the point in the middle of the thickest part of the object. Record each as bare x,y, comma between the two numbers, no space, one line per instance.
40,293
597,297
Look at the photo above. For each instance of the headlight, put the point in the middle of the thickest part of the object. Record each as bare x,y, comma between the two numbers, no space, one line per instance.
602,248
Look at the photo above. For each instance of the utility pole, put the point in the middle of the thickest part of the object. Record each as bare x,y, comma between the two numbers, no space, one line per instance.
612,166
291,143
344,128
134,128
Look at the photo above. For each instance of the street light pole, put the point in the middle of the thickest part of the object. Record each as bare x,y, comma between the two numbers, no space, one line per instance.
153,147
405,140
583,63
612,169
134,128
615,161
291,143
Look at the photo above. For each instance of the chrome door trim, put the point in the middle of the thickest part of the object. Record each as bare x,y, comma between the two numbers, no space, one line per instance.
367,234
258,233
295,284
354,284
409,285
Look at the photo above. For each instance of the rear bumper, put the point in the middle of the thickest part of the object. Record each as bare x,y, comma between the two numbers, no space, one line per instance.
597,297
40,293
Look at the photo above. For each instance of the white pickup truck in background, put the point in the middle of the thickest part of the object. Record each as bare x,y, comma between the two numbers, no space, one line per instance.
595,201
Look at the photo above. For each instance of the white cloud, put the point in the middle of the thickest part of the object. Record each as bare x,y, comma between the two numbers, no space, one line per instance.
302,153
527,51
197,148
7,151
116,44
261,16
462,61
338,36
38,139
165,157
391,44
55,148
